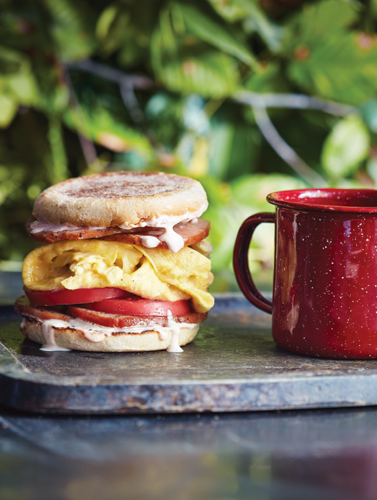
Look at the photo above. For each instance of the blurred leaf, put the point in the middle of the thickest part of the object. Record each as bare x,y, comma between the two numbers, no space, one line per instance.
25,27
369,113
126,28
346,147
52,92
323,18
194,114
372,169
225,221
270,79
231,10
234,146
132,54
114,35
213,33
199,163
253,17
163,116
245,152
210,74
252,190
59,170
10,179
100,115
222,137
325,58
257,21
225,218
249,193
184,56
105,21
16,82
72,28
128,160
218,192
8,109
99,125
10,61
241,198
22,86
270,32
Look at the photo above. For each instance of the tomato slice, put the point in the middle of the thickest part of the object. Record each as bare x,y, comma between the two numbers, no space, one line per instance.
141,307
79,296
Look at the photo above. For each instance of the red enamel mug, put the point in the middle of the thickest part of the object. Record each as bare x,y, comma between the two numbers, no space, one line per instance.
324,299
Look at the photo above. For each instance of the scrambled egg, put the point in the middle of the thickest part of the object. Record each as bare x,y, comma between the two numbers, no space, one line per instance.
147,272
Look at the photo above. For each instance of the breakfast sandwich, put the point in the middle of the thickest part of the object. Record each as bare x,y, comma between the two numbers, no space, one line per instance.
124,265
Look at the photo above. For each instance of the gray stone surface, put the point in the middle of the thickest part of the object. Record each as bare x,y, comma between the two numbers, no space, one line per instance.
233,366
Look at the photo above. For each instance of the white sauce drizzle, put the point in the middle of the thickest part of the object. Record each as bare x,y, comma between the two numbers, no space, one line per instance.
173,240
49,335
149,241
175,328
97,333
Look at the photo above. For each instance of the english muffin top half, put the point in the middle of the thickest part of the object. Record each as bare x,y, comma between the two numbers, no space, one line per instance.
128,199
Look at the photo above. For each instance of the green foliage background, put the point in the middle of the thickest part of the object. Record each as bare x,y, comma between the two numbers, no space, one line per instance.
247,96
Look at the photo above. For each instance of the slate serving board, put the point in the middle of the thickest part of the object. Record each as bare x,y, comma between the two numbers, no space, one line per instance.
232,366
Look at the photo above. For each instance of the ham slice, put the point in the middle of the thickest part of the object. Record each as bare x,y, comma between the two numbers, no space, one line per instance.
83,233
191,232
24,308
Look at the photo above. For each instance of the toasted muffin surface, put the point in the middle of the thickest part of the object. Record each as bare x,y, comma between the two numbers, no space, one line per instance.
120,199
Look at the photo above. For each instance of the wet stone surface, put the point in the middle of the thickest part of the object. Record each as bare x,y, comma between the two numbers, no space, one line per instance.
233,365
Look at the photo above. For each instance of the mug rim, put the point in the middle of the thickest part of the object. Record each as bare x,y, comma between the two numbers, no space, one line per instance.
309,199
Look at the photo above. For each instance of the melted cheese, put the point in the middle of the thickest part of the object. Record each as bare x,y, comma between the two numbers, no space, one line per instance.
147,272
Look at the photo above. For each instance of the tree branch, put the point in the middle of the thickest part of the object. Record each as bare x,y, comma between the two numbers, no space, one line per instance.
112,74
127,83
254,99
258,101
284,150
294,101
131,103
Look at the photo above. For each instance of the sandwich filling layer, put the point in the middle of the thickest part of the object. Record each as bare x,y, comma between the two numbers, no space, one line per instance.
146,272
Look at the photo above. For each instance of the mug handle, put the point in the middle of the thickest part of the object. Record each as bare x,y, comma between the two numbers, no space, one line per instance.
241,261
